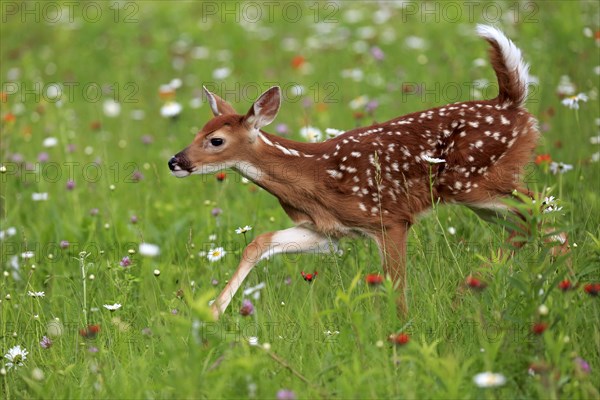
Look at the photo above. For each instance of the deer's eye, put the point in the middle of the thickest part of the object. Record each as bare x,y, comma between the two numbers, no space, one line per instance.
216,141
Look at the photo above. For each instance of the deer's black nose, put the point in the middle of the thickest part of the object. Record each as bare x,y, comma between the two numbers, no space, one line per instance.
172,163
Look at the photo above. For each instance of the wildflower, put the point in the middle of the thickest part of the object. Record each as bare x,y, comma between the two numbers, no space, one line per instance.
432,160
125,262
475,283
539,327
70,185
415,42
583,365
559,167
565,285
285,394
255,290
214,282
46,342
90,332
112,307
133,219
331,132
311,134
16,356
43,157
282,129
156,272
592,289
565,86
253,341
216,254
170,109
111,108
149,249
309,277
39,196
247,308
399,339
221,73
220,176
36,294
374,279
489,379
50,142
543,310
215,212
64,244
93,349
212,237
543,159
298,61
573,101
377,53
359,102
371,106
94,212
243,230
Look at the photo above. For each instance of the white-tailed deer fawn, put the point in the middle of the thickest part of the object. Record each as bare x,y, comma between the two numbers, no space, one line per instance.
372,181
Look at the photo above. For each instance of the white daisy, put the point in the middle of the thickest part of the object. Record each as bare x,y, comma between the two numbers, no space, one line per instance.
212,237
27,254
171,109
432,160
111,108
39,196
50,142
36,294
149,249
559,168
359,103
311,133
489,379
243,230
221,73
16,356
573,101
330,132
253,341
216,254
112,307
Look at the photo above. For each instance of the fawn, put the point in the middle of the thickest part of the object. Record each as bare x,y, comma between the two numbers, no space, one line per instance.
373,181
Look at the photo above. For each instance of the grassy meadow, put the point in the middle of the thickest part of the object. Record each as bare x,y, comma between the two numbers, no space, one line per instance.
97,96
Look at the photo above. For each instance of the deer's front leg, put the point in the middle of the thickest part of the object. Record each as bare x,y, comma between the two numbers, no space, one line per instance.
293,240
392,248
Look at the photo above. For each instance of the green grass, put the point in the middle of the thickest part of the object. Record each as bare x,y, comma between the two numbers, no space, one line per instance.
161,344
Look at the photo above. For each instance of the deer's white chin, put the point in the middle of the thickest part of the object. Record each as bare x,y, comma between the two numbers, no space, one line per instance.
180,173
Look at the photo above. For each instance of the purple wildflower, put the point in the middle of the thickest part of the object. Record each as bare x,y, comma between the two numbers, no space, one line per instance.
247,308
133,219
43,157
94,212
282,129
71,148
64,244
125,262
147,139
46,342
214,282
371,106
583,365
286,394
216,212
137,176
93,349
377,53
70,184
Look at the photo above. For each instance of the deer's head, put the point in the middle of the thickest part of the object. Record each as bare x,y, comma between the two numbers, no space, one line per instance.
227,138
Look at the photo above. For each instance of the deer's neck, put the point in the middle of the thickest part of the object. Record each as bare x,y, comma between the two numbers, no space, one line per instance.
285,168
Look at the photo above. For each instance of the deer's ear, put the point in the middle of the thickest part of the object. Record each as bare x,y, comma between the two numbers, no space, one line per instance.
264,110
217,105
